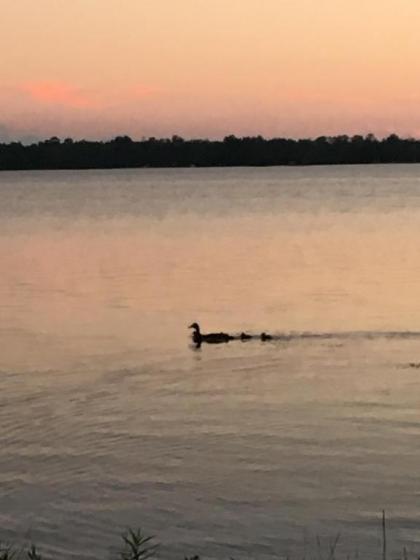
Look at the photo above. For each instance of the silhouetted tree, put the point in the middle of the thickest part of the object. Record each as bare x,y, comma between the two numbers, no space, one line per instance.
176,151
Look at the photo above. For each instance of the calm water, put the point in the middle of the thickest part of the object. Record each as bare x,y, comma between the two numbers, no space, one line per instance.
110,419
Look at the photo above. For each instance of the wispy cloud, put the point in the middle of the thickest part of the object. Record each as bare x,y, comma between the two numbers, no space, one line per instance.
52,107
59,93
139,91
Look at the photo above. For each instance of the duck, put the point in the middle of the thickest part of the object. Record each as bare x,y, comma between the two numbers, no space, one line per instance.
264,336
244,336
210,338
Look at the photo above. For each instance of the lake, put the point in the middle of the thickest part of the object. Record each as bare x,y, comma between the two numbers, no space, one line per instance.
110,418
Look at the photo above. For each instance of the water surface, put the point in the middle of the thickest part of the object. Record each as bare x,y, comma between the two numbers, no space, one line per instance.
110,419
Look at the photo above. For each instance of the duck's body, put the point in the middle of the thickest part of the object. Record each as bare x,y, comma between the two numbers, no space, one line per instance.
211,338
264,336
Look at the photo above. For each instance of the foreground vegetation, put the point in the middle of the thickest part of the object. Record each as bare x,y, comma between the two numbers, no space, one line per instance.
123,152
138,546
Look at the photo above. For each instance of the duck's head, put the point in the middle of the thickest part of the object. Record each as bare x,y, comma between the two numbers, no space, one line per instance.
194,326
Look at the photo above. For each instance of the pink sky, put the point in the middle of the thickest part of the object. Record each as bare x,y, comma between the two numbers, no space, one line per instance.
97,68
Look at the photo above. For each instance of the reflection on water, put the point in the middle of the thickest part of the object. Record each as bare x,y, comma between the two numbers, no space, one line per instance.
110,419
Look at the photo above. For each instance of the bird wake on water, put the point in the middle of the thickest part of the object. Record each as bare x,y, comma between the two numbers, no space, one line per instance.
221,337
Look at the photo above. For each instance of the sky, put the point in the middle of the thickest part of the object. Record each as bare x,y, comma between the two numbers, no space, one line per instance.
208,68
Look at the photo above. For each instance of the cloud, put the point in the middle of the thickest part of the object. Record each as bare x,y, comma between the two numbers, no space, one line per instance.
140,91
49,107
59,93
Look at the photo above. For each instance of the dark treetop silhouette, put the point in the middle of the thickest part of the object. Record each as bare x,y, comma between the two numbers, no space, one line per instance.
122,152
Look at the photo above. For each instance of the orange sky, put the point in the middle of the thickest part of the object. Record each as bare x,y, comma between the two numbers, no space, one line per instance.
97,68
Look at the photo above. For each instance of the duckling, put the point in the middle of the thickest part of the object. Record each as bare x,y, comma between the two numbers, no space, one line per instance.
244,336
264,336
210,338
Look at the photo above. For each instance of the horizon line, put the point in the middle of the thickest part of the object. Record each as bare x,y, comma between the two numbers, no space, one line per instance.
369,136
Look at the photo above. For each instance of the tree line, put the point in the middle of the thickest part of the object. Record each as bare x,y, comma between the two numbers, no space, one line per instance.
122,152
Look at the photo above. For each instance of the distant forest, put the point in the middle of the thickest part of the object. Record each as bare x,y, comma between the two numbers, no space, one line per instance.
123,152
